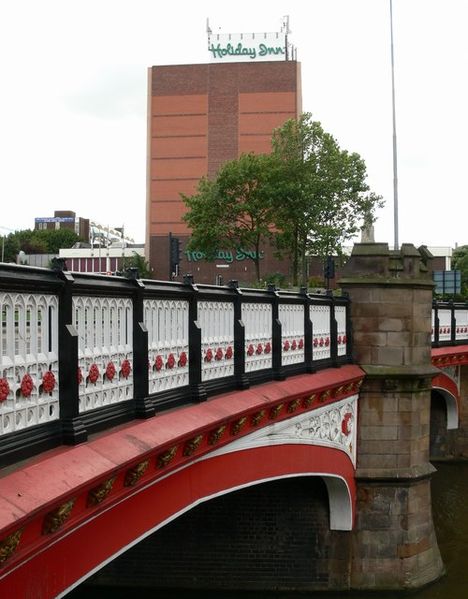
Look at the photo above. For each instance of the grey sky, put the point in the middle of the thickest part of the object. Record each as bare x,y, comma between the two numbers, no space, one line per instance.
73,99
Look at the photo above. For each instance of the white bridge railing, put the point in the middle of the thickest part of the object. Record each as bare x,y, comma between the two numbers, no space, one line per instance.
449,323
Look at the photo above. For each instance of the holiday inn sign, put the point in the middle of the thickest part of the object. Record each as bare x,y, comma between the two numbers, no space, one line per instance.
236,47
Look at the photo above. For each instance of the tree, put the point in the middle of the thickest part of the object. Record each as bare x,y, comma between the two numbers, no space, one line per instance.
11,248
234,210
46,241
322,199
460,262
55,239
139,262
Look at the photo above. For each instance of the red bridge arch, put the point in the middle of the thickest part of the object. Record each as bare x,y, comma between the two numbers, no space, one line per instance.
78,508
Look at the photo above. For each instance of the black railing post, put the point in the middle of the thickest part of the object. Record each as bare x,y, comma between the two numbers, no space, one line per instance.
197,389
348,329
308,333
242,381
436,324
453,324
333,331
73,429
144,407
277,342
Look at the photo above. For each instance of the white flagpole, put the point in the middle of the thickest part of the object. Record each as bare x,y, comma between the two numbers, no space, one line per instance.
395,161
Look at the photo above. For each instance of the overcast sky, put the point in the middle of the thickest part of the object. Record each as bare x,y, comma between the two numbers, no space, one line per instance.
73,100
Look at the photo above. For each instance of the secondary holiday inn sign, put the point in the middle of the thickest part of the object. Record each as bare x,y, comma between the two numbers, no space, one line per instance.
241,47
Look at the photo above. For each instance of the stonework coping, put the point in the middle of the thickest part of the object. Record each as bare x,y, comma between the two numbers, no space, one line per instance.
411,473
376,264
399,372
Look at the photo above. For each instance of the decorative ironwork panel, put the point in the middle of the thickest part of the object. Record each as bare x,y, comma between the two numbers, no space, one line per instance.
340,316
105,350
216,320
292,333
29,393
320,317
461,330
333,425
257,319
167,321
445,324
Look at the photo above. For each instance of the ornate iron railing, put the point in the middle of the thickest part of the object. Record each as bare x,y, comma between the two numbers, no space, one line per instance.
449,323
80,353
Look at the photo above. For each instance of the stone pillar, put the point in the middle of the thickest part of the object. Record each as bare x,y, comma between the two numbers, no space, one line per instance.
462,432
391,297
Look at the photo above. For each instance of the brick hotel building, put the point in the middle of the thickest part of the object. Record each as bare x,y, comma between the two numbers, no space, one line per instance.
200,116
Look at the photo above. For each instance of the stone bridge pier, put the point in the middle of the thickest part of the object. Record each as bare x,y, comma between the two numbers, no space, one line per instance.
394,543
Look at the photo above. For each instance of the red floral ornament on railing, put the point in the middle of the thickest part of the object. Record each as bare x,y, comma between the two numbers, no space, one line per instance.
327,342
170,361
267,347
4,389
158,363
27,385
208,355
110,371
301,343
294,344
315,342
79,376
346,424
250,350
126,368
321,342
183,359
228,354
93,373
259,349
48,381
286,345
344,339
219,354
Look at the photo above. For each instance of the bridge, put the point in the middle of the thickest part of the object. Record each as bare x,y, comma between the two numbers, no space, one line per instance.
130,401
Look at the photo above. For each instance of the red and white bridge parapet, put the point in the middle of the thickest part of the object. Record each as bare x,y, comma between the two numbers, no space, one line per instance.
81,353
449,323
149,472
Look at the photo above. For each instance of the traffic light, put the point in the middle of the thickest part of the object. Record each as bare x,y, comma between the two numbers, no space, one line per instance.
174,255
329,268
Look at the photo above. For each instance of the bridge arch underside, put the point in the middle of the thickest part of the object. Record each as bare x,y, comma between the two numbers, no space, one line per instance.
82,551
274,535
444,424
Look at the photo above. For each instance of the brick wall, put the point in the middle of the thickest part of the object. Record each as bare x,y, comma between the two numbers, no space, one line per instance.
200,117
272,536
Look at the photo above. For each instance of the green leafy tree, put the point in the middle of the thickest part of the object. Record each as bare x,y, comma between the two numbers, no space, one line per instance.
139,262
30,242
235,209
46,241
322,199
10,248
55,239
460,262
